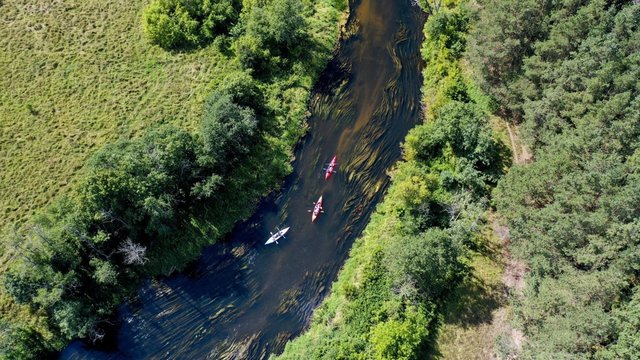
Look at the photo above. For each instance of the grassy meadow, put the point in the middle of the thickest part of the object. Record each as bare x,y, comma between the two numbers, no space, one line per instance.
78,74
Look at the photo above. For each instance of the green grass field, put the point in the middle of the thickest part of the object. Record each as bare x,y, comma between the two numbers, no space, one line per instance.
74,75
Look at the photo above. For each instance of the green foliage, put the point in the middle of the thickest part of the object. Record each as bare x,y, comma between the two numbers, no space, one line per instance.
243,90
21,342
175,24
428,261
459,143
573,213
105,272
273,35
445,33
627,326
501,40
227,130
399,340
448,29
138,182
461,127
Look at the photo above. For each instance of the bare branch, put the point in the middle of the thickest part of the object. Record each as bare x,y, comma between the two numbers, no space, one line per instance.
134,254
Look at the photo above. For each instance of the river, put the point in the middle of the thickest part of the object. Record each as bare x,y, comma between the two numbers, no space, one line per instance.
242,299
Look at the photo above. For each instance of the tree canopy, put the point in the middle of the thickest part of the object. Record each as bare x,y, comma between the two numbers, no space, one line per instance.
179,24
570,75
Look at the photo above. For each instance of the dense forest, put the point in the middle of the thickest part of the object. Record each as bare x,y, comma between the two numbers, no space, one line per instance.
147,205
567,72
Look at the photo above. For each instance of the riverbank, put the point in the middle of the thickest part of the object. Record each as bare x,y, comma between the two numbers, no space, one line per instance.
243,299
426,242
70,270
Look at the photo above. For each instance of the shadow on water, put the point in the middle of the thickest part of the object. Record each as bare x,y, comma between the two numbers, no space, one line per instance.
243,299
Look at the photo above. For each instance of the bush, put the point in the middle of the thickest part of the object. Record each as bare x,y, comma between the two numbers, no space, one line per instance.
175,24
463,129
429,261
21,342
226,129
274,33
448,29
401,340
244,92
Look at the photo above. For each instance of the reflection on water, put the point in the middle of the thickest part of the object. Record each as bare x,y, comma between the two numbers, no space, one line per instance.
243,299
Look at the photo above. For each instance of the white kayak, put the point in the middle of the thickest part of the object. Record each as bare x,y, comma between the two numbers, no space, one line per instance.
275,237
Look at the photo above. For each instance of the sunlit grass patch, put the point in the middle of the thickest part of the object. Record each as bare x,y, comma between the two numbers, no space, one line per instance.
75,75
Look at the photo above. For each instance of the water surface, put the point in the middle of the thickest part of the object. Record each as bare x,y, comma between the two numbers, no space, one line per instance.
242,299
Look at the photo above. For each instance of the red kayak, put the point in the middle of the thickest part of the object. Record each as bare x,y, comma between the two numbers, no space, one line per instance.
331,168
317,209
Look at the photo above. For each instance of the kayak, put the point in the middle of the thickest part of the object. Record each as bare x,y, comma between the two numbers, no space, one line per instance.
275,237
331,168
316,209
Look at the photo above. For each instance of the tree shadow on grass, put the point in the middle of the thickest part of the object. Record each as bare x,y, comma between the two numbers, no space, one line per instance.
473,303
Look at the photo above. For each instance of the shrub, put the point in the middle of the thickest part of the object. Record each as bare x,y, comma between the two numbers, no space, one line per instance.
273,33
226,129
430,261
174,24
401,340
463,129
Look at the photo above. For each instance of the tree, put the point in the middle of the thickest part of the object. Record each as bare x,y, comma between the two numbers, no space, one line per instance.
21,342
226,129
448,29
134,254
74,318
244,91
272,34
573,213
431,260
501,40
105,273
175,24
463,129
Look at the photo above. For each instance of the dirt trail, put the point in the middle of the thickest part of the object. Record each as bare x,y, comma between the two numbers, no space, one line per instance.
498,278
524,156
507,338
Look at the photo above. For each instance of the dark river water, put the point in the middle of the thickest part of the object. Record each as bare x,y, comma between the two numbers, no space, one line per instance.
242,299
